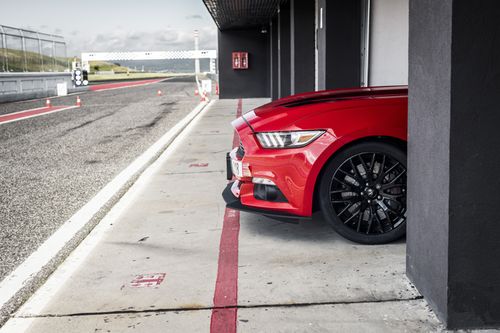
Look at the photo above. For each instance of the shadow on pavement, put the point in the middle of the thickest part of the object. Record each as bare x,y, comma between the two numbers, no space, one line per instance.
316,230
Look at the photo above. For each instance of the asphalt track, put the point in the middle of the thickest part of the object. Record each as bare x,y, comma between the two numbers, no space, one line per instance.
51,165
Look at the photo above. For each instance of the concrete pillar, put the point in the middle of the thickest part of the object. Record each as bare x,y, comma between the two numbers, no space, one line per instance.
284,50
339,43
302,44
453,243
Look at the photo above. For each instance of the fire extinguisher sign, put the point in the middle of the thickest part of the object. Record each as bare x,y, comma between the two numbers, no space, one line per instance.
240,60
236,60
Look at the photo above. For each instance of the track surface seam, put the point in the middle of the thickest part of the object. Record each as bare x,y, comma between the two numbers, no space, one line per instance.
255,306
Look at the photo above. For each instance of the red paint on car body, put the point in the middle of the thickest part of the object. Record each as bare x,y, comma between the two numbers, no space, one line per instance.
346,115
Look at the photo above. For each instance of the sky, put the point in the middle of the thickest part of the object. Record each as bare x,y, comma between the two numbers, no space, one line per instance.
115,25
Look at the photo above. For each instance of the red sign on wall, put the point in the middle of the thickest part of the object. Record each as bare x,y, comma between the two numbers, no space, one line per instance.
240,60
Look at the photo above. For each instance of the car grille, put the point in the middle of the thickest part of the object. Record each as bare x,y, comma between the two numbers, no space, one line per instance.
241,151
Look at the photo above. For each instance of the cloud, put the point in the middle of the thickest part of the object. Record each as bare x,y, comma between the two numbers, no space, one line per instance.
194,17
159,40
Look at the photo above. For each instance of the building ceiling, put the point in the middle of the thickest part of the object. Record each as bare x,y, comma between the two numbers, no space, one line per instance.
235,14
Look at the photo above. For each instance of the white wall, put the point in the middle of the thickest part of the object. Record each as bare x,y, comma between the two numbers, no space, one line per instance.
388,64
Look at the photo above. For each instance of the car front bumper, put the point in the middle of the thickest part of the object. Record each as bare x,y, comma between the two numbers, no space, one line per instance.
280,181
234,202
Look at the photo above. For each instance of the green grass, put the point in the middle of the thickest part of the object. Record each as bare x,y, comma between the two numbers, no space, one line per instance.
106,67
16,62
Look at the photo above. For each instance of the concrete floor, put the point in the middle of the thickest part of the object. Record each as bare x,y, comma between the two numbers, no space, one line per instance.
291,278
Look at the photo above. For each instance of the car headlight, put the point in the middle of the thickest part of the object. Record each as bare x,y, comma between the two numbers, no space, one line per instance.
287,139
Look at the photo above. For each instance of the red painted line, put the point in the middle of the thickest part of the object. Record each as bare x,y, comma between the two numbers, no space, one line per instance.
117,85
239,108
236,138
225,312
30,113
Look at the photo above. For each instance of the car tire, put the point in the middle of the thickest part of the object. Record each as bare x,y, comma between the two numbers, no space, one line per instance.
362,192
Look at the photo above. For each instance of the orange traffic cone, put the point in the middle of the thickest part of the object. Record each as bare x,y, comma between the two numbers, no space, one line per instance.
48,103
78,101
159,93
196,92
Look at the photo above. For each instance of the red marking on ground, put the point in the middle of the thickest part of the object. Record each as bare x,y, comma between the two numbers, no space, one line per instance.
198,165
236,138
117,85
29,113
225,312
239,108
147,280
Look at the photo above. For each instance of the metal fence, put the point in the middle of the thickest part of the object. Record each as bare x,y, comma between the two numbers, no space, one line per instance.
30,51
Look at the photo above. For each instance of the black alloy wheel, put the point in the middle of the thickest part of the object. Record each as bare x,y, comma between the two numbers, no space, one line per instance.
362,193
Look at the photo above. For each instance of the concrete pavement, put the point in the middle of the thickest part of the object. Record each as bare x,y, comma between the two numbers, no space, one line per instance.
169,251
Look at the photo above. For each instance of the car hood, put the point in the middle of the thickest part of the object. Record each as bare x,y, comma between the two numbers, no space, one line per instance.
285,113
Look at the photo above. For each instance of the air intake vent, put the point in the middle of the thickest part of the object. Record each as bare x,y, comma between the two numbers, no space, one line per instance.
241,151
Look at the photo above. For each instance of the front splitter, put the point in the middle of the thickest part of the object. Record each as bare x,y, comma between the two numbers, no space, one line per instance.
234,202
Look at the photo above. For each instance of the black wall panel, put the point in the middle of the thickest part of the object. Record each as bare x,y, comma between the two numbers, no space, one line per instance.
253,82
339,44
284,50
302,72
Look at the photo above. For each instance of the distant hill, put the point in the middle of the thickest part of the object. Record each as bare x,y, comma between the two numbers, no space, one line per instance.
102,66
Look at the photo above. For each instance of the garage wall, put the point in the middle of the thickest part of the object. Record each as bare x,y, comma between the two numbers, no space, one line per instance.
253,82
388,42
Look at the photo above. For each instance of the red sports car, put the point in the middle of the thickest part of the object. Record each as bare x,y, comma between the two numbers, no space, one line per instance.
341,151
